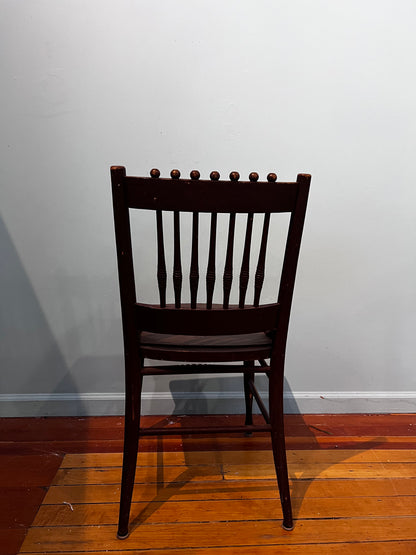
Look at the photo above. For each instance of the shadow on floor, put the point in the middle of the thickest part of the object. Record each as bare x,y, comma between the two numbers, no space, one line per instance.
188,483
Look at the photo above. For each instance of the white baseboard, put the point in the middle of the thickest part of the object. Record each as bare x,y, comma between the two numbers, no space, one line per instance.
212,402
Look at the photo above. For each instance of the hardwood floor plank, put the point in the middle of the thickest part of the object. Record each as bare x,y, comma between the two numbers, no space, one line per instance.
161,511
187,535
351,442
395,455
232,489
188,443
60,447
321,471
169,458
362,425
147,474
364,548
53,427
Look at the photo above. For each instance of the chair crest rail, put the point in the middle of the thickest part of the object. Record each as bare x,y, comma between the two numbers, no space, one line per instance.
209,196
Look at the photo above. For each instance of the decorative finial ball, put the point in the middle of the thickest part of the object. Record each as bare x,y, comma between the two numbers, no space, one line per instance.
271,177
234,176
254,176
175,174
155,172
214,176
195,174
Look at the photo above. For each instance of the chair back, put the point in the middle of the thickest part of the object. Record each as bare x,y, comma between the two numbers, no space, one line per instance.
213,196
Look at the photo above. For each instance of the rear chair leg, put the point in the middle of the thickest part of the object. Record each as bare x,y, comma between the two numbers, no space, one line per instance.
278,445
248,396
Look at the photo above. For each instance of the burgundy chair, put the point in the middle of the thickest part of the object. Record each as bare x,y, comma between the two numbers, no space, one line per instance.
214,334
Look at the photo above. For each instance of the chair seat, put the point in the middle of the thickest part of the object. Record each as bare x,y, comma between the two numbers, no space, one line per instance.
214,348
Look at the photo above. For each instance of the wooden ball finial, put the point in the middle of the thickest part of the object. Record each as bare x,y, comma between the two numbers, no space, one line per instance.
195,174
214,176
175,174
254,176
271,177
234,176
155,172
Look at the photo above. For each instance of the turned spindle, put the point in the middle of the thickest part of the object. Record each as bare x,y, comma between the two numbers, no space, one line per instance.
194,270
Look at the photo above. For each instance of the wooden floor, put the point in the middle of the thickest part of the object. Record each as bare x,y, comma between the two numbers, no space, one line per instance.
353,483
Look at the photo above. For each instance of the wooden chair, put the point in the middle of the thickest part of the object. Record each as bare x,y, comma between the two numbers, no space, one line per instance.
208,332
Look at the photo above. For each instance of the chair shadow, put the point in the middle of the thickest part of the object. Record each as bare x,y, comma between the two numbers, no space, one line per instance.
166,492
299,428
296,427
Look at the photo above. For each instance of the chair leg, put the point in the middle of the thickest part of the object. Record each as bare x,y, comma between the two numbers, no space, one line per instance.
248,396
131,444
278,445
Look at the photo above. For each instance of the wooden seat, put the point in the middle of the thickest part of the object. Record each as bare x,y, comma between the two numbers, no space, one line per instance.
204,332
194,348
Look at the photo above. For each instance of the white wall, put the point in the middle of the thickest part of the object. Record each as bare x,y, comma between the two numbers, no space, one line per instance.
321,87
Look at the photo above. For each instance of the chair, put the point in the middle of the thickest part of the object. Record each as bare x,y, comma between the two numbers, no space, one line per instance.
215,334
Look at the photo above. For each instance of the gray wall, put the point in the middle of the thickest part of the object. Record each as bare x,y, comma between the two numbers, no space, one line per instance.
289,86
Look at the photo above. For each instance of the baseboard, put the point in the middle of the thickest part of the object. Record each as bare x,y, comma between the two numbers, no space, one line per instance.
212,402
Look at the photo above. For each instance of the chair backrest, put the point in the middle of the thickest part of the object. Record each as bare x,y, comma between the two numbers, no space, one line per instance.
213,196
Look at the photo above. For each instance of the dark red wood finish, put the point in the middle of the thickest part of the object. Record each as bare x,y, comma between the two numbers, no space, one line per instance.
196,321
205,332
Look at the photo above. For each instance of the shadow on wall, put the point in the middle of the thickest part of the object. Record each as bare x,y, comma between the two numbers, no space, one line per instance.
31,361
211,395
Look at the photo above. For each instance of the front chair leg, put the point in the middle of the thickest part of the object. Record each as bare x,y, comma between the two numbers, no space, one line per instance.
278,445
131,444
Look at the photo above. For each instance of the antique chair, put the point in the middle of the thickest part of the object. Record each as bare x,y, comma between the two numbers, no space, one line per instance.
215,334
